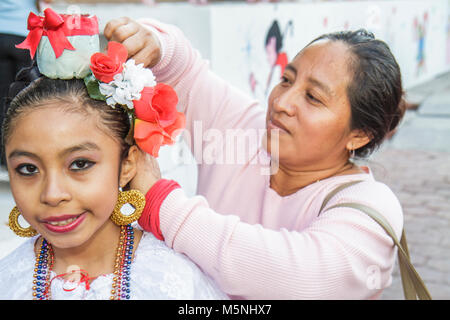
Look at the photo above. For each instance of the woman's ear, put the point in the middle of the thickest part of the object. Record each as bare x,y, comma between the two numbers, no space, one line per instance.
129,166
358,139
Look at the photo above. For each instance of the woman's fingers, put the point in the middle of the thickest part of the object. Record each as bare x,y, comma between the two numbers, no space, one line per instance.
147,172
142,45
149,56
112,26
125,31
133,45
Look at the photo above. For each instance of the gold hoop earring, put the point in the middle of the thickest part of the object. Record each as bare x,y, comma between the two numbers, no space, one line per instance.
133,197
15,226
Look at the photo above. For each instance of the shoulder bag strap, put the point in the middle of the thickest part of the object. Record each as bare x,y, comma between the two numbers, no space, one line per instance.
413,285
335,191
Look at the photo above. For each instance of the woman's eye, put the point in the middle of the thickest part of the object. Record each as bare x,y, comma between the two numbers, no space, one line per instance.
283,79
79,165
27,169
312,98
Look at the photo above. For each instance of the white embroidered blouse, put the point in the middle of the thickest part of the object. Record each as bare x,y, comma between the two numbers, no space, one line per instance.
157,272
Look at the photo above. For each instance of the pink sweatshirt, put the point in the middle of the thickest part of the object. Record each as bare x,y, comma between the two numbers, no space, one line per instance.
255,243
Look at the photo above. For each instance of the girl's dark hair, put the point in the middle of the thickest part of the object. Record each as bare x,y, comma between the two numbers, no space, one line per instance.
375,92
31,90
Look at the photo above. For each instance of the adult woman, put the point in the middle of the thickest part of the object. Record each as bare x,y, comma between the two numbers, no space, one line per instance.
265,238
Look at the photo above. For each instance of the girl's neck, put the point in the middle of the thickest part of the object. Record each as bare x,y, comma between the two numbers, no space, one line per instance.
96,255
286,182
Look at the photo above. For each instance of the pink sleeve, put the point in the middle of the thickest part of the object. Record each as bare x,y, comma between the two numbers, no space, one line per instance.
341,255
207,100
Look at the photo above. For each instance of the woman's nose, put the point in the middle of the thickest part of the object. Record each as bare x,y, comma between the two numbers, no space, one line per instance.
285,102
54,191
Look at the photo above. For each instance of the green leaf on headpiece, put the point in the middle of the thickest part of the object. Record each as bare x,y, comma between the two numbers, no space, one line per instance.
92,87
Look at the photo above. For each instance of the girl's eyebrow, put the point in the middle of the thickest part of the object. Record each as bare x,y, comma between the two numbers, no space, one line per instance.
20,153
87,146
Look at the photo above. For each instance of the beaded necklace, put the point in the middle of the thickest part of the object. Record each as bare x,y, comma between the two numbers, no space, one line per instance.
121,278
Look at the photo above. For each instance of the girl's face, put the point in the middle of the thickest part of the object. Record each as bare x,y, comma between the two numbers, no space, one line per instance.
63,173
310,108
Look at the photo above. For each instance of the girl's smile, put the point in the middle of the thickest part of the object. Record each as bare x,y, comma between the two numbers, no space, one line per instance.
64,223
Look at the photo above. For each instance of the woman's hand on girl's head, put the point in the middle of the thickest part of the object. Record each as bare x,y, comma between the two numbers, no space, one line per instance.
147,173
142,45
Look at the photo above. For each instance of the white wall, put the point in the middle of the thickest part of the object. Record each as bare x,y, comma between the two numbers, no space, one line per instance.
238,49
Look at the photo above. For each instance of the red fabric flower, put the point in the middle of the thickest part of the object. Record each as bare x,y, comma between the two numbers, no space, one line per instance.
157,104
106,66
158,121
150,136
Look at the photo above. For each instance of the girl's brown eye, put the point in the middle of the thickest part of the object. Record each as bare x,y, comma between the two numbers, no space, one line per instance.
81,164
26,169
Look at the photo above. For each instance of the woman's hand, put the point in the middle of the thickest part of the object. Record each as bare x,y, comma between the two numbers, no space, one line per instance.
147,172
142,45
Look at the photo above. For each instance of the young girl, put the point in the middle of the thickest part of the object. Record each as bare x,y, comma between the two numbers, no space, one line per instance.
68,155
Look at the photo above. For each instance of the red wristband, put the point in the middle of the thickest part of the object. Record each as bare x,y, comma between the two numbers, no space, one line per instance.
154,198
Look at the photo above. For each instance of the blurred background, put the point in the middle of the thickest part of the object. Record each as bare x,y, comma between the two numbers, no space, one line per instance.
246,43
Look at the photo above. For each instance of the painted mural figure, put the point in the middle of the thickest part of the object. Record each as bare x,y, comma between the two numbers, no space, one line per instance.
420,34
275,55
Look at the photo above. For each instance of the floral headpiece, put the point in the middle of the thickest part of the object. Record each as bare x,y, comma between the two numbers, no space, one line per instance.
67,47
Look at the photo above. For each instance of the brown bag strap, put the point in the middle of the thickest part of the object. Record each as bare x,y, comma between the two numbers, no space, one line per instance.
335,191
413,285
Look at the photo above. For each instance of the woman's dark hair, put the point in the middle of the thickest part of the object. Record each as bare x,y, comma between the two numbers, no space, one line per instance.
375,92
31,90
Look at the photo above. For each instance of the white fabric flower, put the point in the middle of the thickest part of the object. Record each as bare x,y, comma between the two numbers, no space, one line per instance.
128,84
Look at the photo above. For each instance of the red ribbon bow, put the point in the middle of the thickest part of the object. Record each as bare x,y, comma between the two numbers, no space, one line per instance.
50,25
84,277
